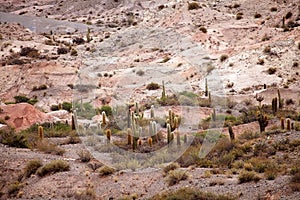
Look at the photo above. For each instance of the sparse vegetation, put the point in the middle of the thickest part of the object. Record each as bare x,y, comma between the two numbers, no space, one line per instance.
188,193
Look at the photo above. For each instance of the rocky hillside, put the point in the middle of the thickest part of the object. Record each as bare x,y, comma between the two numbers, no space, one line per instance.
213,64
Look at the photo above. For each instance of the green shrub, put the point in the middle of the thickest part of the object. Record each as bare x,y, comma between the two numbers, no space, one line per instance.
31,167
239,16
193,5
62,50
152,86
140,72
203,29
21,99
257,15
41,87
107,109
53,167
288,15
272,70
248,176
273,9
175,176
223,58
29,52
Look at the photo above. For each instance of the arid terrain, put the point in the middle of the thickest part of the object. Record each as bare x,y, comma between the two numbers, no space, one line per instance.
141,99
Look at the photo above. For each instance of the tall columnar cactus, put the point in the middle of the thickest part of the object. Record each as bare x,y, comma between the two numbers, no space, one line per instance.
173,120
108,135
140,132
150,141
60,107
134,132
185,138
209,98
137,110
139,142
88,37
153,133
263,122
274,105
178,138
73,123
129,136
41,132
163,94
288,124
231,133
292,126
206,88
280,101
282,123
213,115
168,133
128,117
152,112
104,122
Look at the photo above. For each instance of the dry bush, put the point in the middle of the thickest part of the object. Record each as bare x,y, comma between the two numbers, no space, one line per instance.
175,176
31,167
295,182
53,167
49,148
193,6
84,155
105,170
152,86
248,176
170,167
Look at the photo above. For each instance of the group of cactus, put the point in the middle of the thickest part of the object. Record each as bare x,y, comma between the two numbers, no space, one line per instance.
289,125
277,103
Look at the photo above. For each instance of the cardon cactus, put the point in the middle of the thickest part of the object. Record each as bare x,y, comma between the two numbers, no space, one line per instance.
108,135
263,122
150,141
41,132
282,123
152,112
73,123
288,124
274,105
178,138
231,133
129,136
168,133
